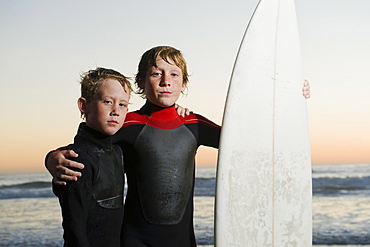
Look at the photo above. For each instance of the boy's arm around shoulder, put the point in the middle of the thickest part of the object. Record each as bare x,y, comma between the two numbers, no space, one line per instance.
59,161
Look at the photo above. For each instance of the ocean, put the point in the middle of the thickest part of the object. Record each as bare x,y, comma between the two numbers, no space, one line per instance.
30,213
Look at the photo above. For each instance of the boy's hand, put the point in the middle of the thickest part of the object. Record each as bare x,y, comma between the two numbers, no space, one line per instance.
306,89
182,111
57,164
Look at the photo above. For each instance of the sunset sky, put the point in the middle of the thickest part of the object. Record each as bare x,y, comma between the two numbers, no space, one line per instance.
45,45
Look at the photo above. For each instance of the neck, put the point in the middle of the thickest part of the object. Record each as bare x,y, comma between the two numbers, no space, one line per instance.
155,105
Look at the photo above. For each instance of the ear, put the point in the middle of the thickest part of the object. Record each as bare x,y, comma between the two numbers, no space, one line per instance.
183,88
81,103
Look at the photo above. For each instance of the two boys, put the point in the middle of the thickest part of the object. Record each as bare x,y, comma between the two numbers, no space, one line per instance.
159,152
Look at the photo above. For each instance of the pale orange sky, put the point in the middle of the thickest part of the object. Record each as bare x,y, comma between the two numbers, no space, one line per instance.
44,51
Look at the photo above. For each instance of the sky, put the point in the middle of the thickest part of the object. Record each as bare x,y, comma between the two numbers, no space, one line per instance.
45,45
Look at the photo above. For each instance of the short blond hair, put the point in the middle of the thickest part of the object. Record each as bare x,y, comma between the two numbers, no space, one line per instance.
149,58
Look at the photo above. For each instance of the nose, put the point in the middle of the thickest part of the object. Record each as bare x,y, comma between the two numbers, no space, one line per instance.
166,80
115,111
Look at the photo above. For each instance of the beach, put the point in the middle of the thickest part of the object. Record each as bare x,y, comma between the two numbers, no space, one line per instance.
30,213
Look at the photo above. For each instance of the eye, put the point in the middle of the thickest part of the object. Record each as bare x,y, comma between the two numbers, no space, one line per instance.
123,105
107,102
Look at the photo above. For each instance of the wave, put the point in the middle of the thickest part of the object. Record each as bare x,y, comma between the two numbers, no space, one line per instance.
334,186
348,238
26,190
205,186
29,185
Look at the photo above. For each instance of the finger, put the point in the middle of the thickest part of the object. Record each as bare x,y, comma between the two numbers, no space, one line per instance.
60,183
69,153
64,170
63,177
62,160
187,111
180,111
73,164
65,174
307,94
57,181
306,89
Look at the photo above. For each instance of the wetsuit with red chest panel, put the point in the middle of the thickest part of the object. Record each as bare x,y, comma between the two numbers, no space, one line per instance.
159,150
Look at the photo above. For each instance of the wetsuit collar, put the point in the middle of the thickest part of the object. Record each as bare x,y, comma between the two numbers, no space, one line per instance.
159,112
99,139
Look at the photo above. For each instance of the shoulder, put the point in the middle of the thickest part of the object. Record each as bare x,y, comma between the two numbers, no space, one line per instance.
199,119
117,149
86,154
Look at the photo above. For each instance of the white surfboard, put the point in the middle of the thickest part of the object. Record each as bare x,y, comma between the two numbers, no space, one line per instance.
263,191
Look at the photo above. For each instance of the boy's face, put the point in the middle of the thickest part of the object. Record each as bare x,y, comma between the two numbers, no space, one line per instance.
164,83
107,111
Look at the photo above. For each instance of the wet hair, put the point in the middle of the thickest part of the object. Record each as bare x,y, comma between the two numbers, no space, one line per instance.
149,59
91,81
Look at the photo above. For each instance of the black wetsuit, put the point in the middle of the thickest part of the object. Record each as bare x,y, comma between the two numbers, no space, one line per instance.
159,149
92,207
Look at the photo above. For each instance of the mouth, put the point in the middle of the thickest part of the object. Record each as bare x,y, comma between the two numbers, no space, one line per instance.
112,122
165,93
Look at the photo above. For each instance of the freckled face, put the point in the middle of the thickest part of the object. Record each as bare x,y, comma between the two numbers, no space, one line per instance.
164,83
107,111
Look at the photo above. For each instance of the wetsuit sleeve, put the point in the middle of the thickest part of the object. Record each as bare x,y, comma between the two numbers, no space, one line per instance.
206,132
209,135
75,199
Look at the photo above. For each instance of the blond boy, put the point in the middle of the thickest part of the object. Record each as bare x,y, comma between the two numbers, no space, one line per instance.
92,207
